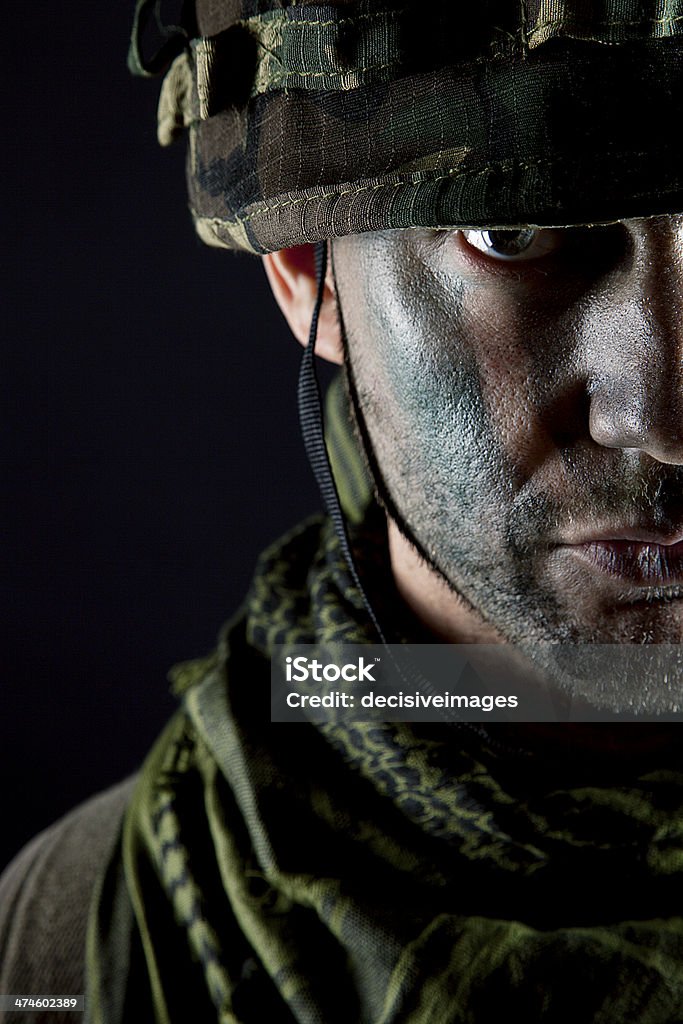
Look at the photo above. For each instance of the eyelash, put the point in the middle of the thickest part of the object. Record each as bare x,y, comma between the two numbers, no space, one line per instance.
582,253
441,237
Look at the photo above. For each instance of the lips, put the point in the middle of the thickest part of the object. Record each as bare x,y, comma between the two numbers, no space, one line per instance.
645,561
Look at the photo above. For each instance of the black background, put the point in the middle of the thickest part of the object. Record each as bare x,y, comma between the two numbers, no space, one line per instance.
151,444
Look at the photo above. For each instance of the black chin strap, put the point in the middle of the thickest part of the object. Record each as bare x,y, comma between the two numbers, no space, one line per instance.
312,428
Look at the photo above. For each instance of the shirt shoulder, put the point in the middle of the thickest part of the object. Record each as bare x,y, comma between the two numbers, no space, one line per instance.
45,894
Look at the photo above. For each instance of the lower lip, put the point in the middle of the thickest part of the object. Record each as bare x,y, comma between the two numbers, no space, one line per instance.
642,564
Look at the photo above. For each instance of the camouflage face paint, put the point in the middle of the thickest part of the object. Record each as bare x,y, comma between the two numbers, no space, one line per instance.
524,420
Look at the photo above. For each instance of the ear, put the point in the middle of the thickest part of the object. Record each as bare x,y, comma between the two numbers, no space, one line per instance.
291,273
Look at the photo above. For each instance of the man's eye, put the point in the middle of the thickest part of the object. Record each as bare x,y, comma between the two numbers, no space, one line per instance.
521,244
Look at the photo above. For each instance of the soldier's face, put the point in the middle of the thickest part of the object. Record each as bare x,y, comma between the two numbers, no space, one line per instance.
523,398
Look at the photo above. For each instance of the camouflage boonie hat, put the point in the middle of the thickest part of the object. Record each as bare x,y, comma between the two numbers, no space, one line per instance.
311,120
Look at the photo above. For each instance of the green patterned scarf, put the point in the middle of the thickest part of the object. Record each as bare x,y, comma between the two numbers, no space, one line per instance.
275,873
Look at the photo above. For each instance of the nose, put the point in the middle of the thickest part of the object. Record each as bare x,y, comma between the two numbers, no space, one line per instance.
636,383
632,422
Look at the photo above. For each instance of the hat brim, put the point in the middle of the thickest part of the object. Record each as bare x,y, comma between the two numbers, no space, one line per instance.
572,133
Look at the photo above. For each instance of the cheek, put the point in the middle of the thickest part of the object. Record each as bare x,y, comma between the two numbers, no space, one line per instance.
453,364
432,407
527,377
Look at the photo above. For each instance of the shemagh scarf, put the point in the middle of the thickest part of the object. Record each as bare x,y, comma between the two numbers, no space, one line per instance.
379,873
